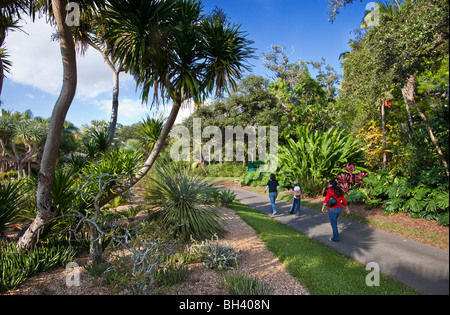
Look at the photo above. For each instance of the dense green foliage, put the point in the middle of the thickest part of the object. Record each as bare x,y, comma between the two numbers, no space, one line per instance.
317,157
11,202
424,196
388,114
391,110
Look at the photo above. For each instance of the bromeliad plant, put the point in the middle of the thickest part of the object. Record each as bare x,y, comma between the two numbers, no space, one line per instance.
350,179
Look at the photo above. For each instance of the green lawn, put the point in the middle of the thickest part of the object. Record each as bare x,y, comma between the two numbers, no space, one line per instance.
321,269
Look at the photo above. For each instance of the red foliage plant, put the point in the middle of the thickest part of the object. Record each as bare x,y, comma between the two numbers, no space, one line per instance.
348,181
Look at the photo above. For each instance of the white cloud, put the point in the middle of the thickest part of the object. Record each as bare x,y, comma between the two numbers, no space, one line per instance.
128,108
37,62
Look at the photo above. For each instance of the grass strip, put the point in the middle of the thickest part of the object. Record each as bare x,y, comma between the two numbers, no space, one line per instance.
321,269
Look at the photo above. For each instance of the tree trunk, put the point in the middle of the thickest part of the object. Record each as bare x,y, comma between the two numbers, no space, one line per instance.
2,75
20,169
409,92
95,244
151,158
411,126
383,122
115,96
45,210
115,106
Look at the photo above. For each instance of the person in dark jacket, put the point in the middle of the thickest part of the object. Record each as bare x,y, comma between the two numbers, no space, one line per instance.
272,186
334,191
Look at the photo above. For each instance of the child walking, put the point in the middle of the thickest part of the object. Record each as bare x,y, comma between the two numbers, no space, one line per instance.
296,199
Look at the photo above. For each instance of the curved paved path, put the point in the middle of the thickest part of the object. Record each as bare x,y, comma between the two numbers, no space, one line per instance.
420,266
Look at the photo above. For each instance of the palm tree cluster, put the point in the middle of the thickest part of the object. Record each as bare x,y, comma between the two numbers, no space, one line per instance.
173,50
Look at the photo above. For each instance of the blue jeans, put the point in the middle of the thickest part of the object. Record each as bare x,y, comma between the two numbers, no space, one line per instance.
333,214
273,196
295,206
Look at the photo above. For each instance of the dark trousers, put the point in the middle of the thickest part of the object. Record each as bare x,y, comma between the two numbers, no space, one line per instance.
295,206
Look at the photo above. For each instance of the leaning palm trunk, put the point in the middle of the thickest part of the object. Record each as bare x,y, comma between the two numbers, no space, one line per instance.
151,158
45,210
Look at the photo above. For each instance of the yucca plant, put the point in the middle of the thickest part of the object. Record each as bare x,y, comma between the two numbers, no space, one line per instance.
183,201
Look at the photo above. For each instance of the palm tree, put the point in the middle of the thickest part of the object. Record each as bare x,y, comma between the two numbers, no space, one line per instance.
45,210
90,32
165,44
173,50
21,139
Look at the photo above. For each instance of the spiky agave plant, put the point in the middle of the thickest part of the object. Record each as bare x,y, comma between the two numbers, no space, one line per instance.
181,200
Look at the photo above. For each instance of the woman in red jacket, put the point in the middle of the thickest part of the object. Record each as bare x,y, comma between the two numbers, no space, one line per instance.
334,208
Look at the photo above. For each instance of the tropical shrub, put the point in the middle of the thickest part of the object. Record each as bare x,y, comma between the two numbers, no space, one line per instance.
115,167
11,201
419,196
183,201
148,132
96,142
350,179
254,179
317,156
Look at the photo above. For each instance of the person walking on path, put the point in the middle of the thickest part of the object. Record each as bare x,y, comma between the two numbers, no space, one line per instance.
296,199
334,200
272,186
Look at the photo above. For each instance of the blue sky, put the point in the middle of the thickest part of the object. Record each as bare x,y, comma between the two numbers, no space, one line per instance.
301,26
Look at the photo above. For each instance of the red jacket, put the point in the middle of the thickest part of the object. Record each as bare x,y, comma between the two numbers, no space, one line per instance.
340,200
